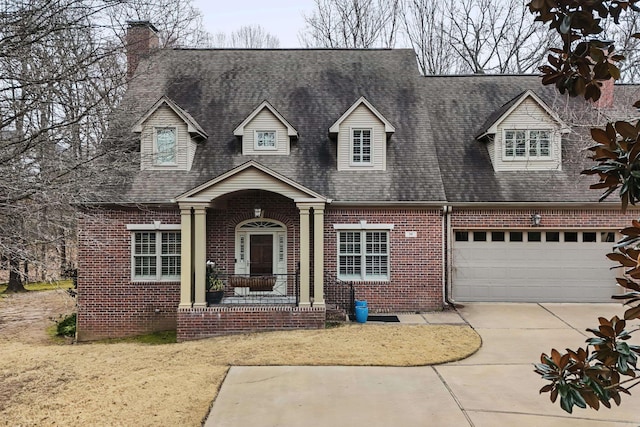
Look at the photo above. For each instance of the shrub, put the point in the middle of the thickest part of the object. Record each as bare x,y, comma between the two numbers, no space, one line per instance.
67,326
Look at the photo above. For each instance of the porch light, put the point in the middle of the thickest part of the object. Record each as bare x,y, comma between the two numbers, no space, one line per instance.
257,212
535,219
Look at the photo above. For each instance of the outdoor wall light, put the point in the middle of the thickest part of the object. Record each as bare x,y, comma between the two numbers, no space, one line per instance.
535,219
257,212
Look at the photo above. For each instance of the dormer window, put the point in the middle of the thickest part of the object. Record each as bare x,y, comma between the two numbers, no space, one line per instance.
361,146
527,144
168,137
165,146
266,140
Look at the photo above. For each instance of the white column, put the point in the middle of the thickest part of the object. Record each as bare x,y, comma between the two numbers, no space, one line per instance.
304,255
200,254
318,255
186,298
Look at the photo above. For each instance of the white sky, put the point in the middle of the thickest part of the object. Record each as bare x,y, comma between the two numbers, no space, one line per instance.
281,18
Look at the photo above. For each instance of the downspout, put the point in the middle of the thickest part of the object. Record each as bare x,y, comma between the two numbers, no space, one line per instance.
446,256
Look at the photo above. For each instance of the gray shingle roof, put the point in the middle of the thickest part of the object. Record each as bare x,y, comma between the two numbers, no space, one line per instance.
460,108
311,89
432,156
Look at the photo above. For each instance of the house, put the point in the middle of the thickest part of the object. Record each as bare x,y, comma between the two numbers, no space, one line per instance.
303,173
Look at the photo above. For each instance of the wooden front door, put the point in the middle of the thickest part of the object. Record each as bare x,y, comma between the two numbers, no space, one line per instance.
261,254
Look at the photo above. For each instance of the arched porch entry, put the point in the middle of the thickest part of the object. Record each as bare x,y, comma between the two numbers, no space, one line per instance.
257,240
261,252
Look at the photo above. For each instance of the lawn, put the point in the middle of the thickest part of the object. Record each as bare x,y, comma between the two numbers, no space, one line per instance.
43,286
131,383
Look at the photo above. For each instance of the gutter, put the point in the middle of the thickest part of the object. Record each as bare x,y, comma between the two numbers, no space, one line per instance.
375,203
446,257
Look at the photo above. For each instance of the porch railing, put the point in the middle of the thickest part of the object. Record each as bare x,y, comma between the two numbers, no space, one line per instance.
259,289
339,295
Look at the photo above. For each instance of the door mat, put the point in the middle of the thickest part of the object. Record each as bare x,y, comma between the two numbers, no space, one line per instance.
378,318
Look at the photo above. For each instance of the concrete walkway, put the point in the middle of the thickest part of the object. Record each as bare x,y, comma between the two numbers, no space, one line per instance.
494,387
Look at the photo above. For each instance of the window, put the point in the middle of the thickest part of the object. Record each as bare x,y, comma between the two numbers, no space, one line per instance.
515,236
589,236
608,236
363,255
165,146
156,255
497,236
462,236
553,236
527,144
534,236
479,236
265,140
361,147
570,236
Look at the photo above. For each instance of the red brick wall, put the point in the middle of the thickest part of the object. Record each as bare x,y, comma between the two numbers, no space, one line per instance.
109,304
212,321
550,218
416,262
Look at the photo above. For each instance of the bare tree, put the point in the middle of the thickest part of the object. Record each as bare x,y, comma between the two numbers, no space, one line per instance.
249,36
352,24
426,27
469,36
495,36
179,22
62,70
626,44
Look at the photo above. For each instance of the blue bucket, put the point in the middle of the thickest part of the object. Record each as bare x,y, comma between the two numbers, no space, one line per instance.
362,303
362,312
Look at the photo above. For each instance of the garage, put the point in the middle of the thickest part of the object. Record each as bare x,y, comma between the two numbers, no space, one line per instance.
533,265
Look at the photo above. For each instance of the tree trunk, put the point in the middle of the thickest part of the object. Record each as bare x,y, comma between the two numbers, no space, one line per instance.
15,280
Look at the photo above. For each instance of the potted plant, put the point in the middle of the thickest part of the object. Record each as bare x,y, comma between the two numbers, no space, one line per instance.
215,285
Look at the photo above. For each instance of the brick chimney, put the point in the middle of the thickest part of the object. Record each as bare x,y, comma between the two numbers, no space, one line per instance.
606,95
142,38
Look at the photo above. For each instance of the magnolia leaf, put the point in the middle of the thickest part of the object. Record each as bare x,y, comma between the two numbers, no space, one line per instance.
632,313
600,136
626,129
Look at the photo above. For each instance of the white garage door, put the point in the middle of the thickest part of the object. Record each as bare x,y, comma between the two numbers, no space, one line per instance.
533,266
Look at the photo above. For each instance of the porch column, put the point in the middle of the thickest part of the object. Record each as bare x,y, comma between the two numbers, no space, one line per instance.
200,254
304,254
318,255
186,298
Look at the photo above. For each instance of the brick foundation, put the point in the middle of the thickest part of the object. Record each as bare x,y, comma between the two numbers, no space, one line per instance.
196,323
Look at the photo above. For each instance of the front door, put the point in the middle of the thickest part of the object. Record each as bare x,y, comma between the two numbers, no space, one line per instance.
261,250
261,254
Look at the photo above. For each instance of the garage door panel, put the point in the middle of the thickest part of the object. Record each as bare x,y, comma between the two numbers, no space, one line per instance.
533,271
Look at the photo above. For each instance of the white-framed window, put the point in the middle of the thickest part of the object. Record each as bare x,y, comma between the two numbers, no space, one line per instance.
361,146
165,145
527,144
266,140
363,255
155,255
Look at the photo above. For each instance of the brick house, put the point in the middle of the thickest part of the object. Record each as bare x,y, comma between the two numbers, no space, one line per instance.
302,173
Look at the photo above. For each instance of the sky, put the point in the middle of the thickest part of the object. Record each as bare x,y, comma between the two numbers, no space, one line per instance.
280,18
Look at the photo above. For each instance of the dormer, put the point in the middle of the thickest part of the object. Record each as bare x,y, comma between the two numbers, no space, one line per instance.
168,137
525,134
265,132
362,134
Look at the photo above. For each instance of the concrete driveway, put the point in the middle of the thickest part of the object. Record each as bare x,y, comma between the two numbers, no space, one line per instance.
494,387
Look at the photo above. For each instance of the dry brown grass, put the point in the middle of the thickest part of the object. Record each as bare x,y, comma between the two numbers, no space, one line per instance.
174,384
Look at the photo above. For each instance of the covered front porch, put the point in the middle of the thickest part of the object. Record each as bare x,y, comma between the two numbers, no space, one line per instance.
256,240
